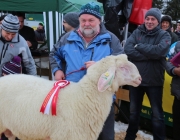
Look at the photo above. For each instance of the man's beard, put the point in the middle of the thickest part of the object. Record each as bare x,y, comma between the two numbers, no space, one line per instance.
89,31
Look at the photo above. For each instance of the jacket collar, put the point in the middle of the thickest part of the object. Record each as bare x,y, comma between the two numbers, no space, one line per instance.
152,32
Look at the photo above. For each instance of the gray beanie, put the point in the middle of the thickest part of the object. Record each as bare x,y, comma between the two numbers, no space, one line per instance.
72,19
10,23
154,12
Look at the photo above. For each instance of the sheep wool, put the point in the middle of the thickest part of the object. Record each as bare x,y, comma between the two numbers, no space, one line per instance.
81,108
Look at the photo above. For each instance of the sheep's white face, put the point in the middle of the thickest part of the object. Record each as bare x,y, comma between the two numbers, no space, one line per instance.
121,72
127,74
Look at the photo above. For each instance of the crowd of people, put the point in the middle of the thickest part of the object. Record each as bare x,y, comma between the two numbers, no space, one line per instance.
86,41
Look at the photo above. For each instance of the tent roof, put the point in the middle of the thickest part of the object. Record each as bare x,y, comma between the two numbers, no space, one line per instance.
62,6
66,6
29,5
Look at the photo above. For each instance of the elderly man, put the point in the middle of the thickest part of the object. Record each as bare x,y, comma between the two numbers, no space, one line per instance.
81,48
147,48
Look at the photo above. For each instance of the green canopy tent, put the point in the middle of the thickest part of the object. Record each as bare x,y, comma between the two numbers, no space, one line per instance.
29,5
66,6
62,6
52,11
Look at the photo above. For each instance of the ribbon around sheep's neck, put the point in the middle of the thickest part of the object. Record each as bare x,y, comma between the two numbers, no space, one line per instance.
51,99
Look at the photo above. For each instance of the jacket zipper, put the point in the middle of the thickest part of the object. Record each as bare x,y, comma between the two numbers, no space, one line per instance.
2,53
5,50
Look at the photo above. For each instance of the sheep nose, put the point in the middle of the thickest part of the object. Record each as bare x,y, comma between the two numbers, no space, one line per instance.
138,79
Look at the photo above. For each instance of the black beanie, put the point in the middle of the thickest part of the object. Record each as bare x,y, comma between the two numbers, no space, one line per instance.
168,19
72,19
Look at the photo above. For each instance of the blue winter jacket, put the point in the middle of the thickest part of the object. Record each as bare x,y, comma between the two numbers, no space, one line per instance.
72,49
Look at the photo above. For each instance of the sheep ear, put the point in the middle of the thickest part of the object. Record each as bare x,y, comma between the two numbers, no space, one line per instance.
106,79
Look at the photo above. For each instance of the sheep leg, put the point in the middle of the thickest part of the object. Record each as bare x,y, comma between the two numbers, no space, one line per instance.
9,135
12,138
48,138
2,129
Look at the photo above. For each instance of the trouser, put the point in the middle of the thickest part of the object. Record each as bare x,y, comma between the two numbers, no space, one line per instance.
108,128
176,119
154,94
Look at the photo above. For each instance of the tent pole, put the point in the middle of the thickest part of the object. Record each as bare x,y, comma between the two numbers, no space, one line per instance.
51,28
57,26
54,26
125,34
47,29
60,24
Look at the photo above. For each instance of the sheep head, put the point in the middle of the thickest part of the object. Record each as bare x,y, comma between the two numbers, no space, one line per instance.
115,71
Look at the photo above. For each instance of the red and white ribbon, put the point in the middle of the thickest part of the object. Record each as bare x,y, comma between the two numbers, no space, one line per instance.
51,99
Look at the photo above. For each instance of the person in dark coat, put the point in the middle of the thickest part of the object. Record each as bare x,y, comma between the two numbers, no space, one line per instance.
40,33
1,18
166,24
26,32
147,48
175,91
177,32
70,22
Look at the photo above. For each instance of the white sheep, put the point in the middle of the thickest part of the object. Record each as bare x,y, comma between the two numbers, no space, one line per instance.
82,107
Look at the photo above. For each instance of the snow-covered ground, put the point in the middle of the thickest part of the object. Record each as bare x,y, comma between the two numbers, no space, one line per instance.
120,131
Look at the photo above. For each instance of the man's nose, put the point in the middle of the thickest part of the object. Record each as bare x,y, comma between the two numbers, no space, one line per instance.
86,23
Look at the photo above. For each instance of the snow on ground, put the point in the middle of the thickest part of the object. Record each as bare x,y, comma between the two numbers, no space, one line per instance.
120,131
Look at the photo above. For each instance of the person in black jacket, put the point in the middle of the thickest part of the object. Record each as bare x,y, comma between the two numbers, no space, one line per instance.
26,32
70,22
175,91
166,24
1,18
40,32
147,48
177,32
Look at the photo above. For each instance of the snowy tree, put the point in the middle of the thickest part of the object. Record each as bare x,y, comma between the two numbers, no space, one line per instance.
158,4
173,9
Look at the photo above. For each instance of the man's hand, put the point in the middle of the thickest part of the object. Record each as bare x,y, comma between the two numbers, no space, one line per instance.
177,70
59,75
29,43
89,63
